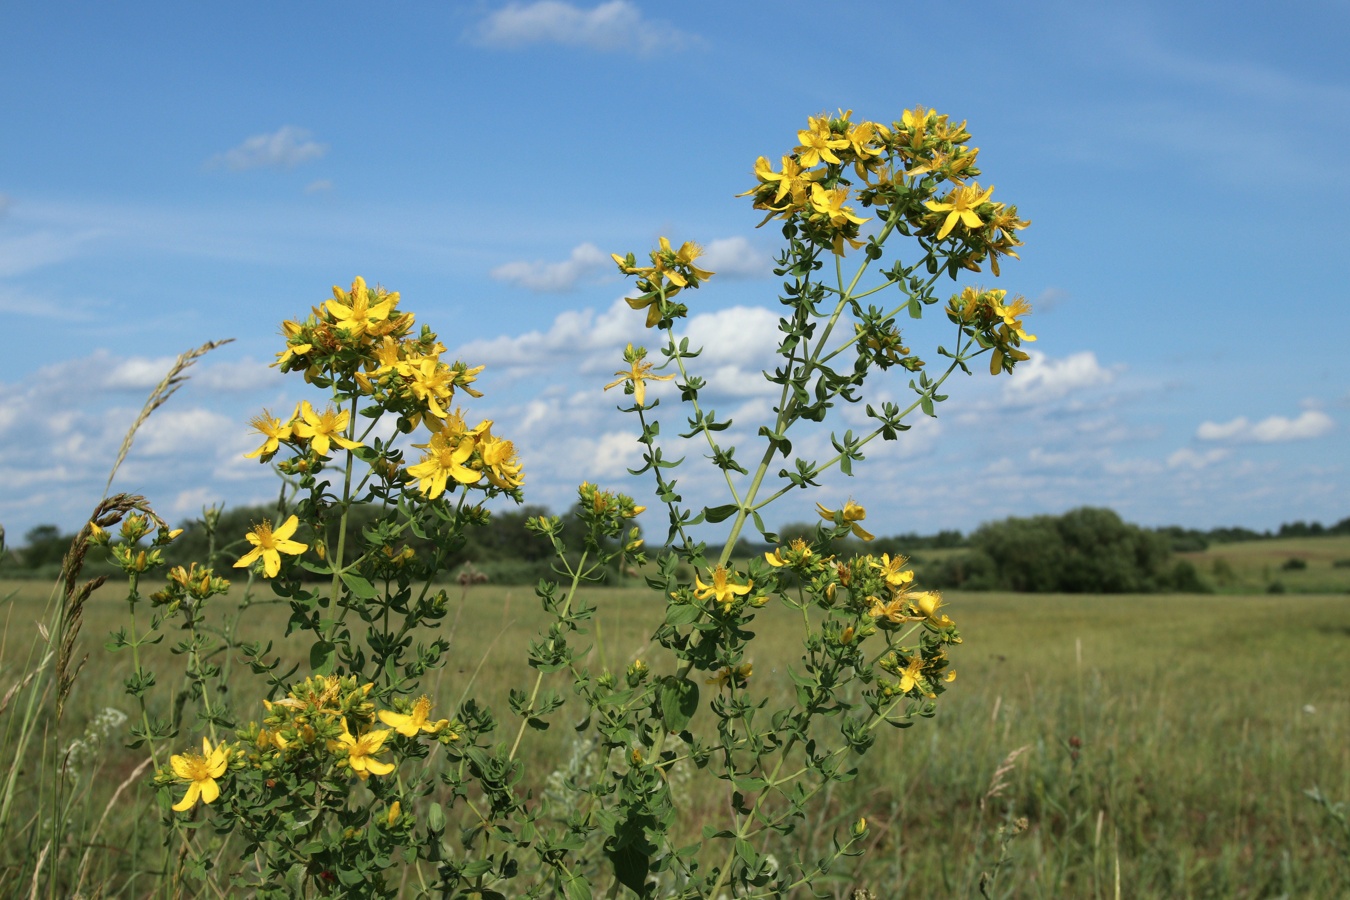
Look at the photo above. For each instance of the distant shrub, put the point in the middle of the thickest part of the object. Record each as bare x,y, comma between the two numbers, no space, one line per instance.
1293,564
1185,579
1222,570
1275,587
1341,564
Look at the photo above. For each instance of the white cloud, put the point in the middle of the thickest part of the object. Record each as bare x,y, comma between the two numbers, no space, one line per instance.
1039,379
318,187
616,25
236,376
575,335
735,257
1310,424
183,432
285,148
5,204
1186,458
137,373
586,260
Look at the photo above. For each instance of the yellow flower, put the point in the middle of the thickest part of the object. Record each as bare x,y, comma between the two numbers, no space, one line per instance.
793,183
500,463
273,429
798,555
321,429
269,545
895,610
361,752
818,143
928,603
960,206
910,676
638,375
678,265
830,204
354,313
416,721
721,590
444,459
737,676
852,514
430,382
200,772
892,570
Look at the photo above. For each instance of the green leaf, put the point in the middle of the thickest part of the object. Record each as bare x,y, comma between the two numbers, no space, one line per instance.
576,888
436,819
915,309
682,614
358,586
322,656
720,513
679,702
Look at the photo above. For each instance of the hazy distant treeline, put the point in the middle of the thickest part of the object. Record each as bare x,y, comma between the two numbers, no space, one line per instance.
1086,550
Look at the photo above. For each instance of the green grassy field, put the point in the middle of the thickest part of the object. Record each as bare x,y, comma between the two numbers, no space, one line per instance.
1254,566
1169,740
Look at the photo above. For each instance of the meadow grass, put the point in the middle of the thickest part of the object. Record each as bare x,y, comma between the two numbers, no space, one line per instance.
1253,566
1169,741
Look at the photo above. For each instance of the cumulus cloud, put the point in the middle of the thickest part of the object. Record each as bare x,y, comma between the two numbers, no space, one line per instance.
320,186
616,25
236,376
285,148
1310,424
1040,379
585,261
575,335
735,257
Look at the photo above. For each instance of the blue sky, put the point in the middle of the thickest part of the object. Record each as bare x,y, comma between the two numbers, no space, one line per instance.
174,173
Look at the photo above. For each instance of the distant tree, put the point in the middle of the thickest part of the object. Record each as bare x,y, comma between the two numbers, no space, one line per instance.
1086,550
44,545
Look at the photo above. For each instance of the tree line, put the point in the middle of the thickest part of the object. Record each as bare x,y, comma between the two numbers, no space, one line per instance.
1085,550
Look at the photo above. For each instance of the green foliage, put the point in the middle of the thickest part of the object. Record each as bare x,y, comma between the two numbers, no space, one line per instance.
1085,550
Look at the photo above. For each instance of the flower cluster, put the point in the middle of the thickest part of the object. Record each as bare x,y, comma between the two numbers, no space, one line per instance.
996,324
671,271
324,724
902,167
360,345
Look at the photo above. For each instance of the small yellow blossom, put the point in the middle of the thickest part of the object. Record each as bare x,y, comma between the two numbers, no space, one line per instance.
324,428
200,772
960,206
269,545
354,312
818,142
928,603
444,460
639,374
911,675
273,429
737,676
410,724
830,204
722,589
361,752
852,513
893,570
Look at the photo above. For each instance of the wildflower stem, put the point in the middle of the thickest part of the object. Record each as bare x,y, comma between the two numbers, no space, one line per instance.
539,676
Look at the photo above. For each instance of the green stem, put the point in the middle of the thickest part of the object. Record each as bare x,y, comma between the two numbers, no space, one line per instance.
539,676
